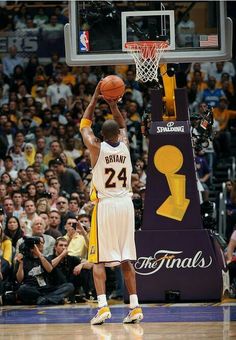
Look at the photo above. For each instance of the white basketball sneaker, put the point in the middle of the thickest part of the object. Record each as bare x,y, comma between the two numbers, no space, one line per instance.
135,315
102,314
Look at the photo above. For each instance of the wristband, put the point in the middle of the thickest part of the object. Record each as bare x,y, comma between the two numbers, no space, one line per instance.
85,123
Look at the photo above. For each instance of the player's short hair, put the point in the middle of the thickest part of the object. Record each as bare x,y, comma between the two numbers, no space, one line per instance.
110,129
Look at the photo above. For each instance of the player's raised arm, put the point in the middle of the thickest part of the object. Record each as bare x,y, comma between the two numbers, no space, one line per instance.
120,119
89,139
116,113
86,122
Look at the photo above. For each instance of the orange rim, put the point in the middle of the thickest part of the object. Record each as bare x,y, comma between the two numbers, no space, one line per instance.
147,49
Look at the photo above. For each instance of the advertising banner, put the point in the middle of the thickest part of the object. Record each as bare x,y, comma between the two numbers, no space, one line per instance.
177,266
41,42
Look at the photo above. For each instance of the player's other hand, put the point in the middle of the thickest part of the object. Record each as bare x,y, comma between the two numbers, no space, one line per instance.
112,101
97,92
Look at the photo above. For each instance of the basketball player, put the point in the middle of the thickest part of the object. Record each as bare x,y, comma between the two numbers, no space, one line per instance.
112,227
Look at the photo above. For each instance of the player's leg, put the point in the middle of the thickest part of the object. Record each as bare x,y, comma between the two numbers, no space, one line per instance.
128,252
99,276
129,277
135,314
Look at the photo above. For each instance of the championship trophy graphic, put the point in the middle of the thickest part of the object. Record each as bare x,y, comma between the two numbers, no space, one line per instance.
168,160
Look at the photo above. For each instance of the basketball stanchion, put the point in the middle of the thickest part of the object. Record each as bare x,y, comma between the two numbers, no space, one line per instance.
147,55
167,259
178,259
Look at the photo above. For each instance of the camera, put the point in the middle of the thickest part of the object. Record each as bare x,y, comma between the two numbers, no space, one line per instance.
138,204
138,208
202,131
74,225
146,122
28,244
207,213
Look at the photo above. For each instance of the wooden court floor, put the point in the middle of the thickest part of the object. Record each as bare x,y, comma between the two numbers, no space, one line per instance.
161,321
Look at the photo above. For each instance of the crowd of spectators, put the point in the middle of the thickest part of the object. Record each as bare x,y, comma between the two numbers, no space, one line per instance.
45,169
45,175
33,16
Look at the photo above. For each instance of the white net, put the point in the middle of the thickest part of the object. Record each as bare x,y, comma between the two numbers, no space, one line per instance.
147,56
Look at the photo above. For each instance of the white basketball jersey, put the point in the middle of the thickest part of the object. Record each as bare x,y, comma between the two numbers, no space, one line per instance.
112,172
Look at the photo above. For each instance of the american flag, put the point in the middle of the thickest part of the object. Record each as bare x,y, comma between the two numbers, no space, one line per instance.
209,40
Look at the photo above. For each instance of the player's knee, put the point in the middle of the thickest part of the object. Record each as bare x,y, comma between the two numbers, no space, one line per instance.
99,271
126,266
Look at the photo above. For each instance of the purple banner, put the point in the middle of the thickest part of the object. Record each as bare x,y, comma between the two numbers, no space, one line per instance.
41,42
159,188
181,262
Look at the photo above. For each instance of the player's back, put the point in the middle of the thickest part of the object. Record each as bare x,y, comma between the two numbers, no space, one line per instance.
112,172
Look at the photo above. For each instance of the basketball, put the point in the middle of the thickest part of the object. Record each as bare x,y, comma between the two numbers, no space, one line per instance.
112,87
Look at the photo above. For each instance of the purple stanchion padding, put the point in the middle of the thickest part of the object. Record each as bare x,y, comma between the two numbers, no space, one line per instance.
181,103
178,260
177,264
176,134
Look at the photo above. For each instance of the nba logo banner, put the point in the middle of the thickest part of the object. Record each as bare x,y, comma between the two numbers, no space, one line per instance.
84,41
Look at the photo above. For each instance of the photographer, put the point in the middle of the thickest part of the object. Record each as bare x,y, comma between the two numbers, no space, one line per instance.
32,272
138,210
70,268
203,130
203,171
77,238
203,126
38,228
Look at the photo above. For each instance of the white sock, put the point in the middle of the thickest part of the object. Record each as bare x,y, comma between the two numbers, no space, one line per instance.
102,300
133,301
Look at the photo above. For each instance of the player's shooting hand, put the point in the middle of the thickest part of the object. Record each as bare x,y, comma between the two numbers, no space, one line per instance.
112,102
124,114
97,92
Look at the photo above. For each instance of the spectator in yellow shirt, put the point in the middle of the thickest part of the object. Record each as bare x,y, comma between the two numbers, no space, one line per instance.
5,254
68,78
78,243
55,152
225,79
222,114
222,139
197,77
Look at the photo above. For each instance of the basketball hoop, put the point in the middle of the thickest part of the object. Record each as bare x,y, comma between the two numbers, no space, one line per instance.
147,55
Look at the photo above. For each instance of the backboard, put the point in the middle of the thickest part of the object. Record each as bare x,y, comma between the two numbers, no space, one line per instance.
98,30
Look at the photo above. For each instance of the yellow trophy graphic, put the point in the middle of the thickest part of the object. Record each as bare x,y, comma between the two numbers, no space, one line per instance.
168,159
